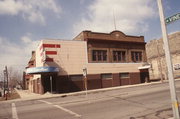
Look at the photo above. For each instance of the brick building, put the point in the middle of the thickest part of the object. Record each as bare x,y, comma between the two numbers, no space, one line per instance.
156,57
111,59
29,77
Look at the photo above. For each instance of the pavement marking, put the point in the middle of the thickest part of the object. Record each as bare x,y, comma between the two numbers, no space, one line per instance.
68,111
46,102
14,111
62,108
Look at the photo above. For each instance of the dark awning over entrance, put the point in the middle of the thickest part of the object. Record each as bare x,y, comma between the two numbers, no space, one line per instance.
42,70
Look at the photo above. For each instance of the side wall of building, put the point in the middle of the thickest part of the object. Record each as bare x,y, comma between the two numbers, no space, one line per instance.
156,57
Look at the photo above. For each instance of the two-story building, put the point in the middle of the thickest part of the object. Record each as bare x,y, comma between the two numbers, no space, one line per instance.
29,77
111,59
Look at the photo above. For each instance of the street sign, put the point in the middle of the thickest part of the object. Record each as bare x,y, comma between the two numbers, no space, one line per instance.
84,71
172,18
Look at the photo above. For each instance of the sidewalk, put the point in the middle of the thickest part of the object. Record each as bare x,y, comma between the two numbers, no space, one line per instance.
27,95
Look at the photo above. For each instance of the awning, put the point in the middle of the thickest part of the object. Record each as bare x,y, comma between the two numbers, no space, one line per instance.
41,70
145,67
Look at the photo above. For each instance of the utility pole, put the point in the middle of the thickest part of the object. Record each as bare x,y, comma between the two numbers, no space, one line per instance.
175,105
4,72
7,79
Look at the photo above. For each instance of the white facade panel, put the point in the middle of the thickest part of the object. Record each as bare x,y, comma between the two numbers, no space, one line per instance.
70,57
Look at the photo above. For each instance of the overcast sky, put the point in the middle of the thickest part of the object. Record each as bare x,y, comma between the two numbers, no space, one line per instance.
24,22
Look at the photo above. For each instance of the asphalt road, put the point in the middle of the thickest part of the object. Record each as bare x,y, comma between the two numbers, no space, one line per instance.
126,103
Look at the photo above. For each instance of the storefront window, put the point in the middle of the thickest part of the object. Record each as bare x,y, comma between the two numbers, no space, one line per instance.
76,78
106,76
123,75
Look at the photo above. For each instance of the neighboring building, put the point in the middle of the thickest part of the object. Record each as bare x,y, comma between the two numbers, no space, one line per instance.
111,59
29,77
156,57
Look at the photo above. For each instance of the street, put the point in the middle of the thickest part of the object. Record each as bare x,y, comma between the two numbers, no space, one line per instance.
125,103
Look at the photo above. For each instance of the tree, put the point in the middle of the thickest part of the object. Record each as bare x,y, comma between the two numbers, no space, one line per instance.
15,77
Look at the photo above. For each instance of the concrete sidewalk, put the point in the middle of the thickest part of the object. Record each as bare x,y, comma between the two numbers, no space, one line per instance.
27,95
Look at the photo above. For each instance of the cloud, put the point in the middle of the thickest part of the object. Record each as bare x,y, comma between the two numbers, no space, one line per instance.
26,39
17,55
130,16
31,10
10,7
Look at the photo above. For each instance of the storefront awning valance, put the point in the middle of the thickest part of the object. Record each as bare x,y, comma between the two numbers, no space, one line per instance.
41,70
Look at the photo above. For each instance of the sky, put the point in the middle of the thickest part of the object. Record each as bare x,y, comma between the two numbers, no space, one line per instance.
23,23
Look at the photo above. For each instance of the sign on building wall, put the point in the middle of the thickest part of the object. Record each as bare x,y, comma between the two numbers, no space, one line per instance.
84,72
176,66
44,56
39,70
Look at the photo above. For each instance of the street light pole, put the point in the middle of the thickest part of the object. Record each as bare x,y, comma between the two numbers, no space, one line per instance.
169,63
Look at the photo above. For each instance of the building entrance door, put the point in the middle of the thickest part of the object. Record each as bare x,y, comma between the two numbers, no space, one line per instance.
49,82
144,75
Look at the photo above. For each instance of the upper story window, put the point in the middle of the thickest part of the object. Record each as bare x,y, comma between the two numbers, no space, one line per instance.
99,55
119,56
136,56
